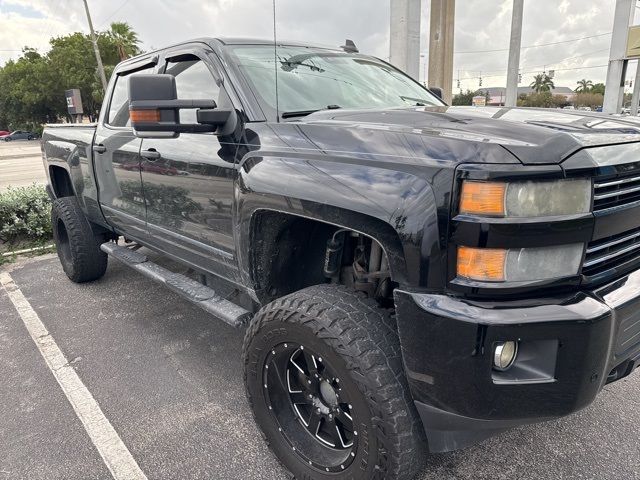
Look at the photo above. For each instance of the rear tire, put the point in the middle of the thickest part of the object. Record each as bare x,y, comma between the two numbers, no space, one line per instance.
77,245
330,332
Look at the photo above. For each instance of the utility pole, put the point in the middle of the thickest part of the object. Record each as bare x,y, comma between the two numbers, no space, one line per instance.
96,50
513,67
614,86
635,98
404,38
441,46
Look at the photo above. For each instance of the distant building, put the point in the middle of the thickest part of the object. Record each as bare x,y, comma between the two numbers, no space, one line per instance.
497,95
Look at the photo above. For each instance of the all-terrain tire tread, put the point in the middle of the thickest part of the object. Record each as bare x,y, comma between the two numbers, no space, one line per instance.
88,262
364,335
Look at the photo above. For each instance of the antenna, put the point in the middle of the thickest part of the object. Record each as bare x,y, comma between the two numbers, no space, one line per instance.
275,60
349,46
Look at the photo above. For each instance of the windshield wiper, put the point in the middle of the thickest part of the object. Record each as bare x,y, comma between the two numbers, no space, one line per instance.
304,113
299,113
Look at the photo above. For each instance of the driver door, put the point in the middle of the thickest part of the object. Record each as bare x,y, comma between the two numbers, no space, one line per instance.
188,181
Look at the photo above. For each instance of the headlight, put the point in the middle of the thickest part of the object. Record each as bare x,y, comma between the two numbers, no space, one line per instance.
519,264
526,199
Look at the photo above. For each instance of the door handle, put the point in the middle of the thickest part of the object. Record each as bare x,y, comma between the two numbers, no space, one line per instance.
100,148
151,154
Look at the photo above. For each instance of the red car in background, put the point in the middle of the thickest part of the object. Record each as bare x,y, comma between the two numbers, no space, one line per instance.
4,132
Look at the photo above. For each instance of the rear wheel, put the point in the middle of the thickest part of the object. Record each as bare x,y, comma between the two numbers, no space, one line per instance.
324,377
77,245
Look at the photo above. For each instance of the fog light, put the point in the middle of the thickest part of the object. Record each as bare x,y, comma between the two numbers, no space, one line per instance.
504,355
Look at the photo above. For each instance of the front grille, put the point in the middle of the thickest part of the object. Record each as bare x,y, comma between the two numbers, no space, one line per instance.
612,252
616,192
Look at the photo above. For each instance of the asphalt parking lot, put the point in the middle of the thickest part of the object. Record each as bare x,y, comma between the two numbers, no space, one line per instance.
168,378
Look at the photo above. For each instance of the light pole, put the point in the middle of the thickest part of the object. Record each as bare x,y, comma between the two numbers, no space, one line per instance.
513,67
94,40
441,46
404,37
613,93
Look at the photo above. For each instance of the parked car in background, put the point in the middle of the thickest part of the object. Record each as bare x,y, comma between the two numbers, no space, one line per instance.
19,135
4,132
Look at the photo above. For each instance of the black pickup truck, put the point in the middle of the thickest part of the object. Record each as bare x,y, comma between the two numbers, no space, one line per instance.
412,277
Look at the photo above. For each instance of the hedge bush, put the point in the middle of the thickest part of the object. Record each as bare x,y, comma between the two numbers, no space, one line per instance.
25,215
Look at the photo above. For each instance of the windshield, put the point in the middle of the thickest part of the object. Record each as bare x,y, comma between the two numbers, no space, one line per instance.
312,79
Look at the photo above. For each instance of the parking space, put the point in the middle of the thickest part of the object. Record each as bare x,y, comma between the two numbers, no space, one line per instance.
168,378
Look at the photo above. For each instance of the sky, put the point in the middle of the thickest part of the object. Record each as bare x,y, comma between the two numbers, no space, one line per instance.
579,30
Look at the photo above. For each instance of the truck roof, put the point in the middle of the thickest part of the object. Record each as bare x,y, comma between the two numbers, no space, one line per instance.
217,42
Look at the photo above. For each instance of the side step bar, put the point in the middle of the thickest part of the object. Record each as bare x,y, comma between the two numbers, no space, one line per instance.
194,291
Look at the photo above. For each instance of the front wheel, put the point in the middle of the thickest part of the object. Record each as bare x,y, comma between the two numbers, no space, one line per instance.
323,373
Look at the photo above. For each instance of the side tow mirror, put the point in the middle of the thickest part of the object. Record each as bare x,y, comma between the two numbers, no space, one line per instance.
154,109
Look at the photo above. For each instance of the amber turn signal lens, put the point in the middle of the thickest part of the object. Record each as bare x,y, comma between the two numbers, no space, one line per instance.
482,198
485,264
144,116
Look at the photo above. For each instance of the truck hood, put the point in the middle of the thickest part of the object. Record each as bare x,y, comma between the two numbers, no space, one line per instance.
533,135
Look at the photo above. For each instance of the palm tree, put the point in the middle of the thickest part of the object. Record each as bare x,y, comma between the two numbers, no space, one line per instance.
125,39
542,83
584,86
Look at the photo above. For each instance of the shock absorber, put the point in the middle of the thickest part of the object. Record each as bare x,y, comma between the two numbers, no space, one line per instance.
333,256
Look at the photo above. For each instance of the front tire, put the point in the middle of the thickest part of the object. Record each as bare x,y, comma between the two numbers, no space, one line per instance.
324,377
77,245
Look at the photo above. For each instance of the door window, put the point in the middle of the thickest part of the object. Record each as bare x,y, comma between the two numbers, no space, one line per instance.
119,106
194,81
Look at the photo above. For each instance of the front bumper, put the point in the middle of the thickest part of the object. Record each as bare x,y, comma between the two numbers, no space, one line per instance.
570,348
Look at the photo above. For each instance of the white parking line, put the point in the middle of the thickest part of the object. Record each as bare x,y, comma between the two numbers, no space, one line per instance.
113,451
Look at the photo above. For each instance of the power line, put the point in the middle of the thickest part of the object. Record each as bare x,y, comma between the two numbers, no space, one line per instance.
548,65
535,46
536,71
114,12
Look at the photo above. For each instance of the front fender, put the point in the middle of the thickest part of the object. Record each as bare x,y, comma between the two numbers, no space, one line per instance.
396,204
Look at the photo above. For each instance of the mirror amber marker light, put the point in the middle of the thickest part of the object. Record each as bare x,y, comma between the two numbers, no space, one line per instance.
485,264
482,198
142,116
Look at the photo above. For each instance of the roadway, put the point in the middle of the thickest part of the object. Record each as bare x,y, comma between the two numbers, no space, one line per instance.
20,164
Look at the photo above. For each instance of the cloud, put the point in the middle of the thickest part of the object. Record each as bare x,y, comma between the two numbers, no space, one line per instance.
480,25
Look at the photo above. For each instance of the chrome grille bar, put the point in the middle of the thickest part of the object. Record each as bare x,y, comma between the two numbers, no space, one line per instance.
616,193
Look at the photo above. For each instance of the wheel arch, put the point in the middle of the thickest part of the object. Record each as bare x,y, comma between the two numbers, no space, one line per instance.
61,183
263,239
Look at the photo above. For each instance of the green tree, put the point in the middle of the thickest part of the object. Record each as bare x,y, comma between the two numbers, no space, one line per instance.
542,100
588,99
32,87
584,86
597,88
542,83
27,88
125,40
466,98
